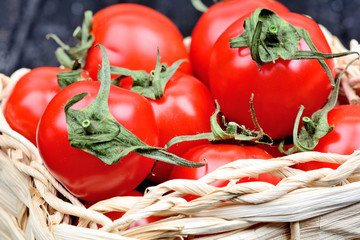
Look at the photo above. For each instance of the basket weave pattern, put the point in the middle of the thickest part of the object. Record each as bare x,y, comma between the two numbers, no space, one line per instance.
319,204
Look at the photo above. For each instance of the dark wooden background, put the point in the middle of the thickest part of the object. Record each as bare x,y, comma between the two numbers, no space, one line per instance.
25,23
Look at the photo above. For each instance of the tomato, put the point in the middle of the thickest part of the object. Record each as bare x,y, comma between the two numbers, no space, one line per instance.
344,139
279,89
29,99
218,155
131,33
213,23
184,109
83,174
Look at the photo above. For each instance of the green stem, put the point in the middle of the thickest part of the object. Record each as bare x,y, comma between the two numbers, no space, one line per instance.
273,31
155,80
309,125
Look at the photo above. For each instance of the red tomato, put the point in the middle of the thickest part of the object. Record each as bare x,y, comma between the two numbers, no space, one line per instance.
131,34
216,156
184,109
213,23
279,89
29,99
344,139
83,174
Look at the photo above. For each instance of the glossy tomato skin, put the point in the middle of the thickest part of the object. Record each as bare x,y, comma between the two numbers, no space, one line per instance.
216,156
131,34
279,89
344,139
213,23
184,109
29,99
83,174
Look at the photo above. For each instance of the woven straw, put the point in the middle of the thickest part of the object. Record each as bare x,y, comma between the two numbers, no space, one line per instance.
319,204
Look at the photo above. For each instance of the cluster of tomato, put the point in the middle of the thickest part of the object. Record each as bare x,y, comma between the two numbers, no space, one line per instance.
132,34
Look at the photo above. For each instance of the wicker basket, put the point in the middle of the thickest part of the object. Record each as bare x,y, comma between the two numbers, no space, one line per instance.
319,204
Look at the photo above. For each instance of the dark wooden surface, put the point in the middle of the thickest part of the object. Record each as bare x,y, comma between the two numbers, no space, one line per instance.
25,23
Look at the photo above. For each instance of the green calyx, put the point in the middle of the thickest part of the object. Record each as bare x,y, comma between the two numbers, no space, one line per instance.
228,131
149,85
93,129
269,38
65,54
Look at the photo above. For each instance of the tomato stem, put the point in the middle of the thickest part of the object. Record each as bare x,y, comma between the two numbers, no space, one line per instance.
155,78
86,123
272,35
273,29
309,125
